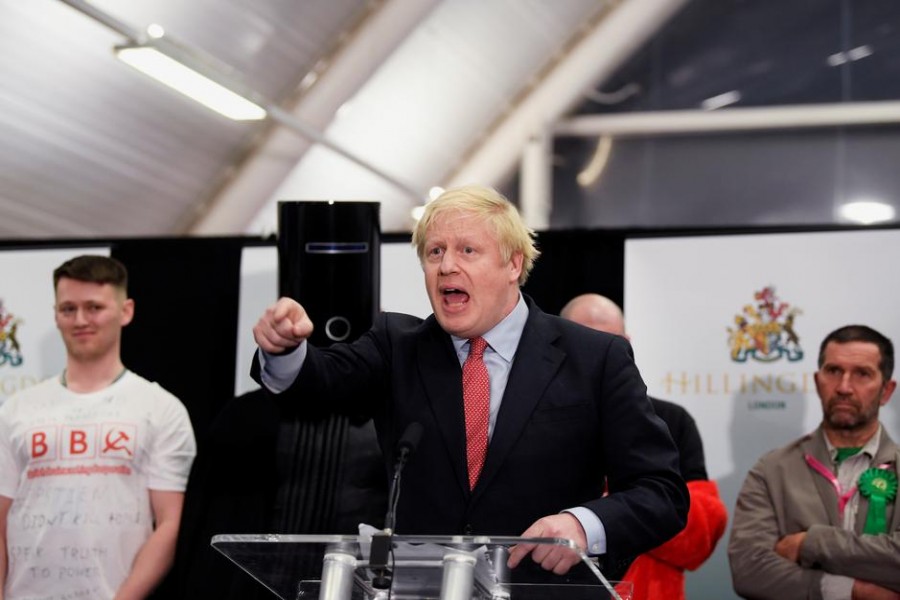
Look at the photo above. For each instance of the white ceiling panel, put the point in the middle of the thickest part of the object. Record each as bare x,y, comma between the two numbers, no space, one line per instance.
91,148
421,112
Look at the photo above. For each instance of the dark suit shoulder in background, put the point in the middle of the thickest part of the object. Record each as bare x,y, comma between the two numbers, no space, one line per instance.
687,437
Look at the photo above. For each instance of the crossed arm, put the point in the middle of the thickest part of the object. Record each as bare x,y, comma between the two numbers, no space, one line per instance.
766,563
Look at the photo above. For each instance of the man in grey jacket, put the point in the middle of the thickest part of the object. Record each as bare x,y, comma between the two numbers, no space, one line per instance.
817,518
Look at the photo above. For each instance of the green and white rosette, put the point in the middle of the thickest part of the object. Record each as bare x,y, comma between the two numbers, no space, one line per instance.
880,487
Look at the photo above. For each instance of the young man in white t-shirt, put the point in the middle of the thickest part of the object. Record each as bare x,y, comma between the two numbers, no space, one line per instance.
94,462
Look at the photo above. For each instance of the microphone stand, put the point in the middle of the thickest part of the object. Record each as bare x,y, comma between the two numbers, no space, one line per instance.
381,540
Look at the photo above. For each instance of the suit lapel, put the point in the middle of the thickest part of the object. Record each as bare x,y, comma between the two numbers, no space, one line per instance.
442,376
536,362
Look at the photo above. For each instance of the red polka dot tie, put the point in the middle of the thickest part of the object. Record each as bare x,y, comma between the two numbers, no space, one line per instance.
477,404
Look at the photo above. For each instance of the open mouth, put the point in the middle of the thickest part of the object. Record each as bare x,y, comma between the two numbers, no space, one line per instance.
454,296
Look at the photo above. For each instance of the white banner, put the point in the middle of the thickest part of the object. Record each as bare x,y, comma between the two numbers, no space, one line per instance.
30,346
730,328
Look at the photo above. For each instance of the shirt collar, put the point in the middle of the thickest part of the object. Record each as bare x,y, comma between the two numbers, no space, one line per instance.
504,337
870,448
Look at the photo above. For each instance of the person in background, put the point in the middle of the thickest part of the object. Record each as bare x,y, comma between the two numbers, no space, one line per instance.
524,414
659,573
818,518
94,461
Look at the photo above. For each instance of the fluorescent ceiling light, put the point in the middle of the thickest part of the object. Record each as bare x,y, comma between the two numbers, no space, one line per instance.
155,31
839,58
721,100
860,52
152,62
867,212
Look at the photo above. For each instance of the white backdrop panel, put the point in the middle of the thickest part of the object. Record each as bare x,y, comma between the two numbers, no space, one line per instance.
26,300
684,294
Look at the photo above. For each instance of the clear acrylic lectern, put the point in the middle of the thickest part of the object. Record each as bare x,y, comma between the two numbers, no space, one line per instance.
342,567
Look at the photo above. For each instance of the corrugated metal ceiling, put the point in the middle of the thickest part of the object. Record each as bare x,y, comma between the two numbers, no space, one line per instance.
92,148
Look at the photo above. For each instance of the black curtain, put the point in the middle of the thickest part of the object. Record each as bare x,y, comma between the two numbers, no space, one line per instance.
184,332
577,262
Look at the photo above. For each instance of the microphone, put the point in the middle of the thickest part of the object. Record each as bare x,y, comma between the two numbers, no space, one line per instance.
381,541
408,443
410,439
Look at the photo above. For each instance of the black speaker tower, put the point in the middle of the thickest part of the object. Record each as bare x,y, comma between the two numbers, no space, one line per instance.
329,261
330,471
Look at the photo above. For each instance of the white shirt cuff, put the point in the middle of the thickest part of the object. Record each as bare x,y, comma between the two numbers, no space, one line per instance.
278,372
593,529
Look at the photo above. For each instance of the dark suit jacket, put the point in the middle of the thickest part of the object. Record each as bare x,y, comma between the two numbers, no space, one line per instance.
686,436
575,413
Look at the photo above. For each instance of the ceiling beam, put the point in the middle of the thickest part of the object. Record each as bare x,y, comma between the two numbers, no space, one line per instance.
623,30
248,190
730,119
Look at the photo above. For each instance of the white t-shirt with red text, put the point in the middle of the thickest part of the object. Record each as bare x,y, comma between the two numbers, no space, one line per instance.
79,468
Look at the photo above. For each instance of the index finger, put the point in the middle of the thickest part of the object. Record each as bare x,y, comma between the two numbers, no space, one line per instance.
518,552
287,308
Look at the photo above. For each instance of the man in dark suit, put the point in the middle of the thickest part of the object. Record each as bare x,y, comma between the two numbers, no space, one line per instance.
567,409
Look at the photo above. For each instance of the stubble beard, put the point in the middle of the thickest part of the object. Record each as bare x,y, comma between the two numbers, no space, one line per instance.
850,421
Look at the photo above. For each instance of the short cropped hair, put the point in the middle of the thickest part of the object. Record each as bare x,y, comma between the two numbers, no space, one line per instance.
499,213
862,333
93,269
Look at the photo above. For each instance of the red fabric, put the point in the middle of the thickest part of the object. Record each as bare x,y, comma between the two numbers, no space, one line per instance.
659,574
477,405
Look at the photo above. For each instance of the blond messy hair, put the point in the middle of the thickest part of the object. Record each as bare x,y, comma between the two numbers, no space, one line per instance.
490,205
